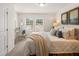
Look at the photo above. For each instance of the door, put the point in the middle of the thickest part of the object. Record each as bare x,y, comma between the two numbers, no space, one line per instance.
3,31
6,30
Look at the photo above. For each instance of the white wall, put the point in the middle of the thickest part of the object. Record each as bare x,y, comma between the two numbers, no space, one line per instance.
11,26
48,18
65,9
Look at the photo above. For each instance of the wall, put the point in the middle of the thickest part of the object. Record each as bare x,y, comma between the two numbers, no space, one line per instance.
48,18
11,26
65,9
16,20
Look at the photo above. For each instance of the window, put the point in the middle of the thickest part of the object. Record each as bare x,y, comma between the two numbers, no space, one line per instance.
39,21
29,24
34,25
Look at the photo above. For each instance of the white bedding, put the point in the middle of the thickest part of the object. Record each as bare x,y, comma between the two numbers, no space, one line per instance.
64,46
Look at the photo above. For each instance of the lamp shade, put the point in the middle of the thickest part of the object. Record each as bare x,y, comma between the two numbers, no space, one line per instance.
56,23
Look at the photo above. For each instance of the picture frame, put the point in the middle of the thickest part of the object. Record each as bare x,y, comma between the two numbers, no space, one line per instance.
64,18
74,16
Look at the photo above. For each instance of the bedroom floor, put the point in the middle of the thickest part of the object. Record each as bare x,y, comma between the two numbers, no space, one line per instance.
17,50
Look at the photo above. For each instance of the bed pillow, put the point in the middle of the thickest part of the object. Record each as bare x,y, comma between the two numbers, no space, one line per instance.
77,34
53,32
72,34
66,35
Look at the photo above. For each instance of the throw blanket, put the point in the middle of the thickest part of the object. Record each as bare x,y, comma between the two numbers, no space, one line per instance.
41,48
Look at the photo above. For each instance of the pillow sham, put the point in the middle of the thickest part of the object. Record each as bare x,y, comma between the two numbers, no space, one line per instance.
53,32
72,34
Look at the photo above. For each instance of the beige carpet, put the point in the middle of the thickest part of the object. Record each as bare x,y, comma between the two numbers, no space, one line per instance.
18,49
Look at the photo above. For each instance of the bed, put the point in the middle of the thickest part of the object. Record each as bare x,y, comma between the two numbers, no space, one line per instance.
55,45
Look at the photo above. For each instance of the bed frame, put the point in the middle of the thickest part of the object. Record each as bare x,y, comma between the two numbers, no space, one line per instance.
62,54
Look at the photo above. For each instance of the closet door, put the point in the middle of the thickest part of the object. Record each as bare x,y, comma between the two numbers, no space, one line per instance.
3,33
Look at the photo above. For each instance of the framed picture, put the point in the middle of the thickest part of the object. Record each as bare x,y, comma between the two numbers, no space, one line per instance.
73,16
64,18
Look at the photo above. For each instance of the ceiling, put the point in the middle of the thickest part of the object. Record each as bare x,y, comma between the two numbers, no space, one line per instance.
35,8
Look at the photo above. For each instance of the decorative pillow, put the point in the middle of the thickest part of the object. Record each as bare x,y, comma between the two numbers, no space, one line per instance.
66,35
59,34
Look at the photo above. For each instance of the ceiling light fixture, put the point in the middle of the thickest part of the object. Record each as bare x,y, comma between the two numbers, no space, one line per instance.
42,4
